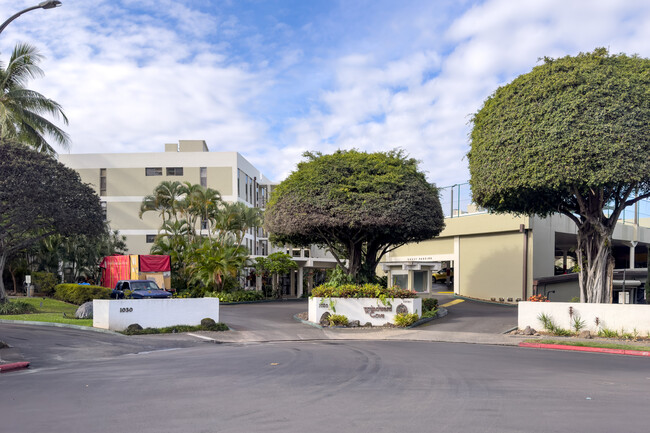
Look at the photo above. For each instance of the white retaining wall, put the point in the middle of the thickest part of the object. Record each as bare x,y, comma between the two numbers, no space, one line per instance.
117,314
362,309
616,317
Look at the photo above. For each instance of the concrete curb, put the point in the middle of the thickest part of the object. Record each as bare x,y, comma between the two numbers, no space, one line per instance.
483,301
59,325
585,349
13,366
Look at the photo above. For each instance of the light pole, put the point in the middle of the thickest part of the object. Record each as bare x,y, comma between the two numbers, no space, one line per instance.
42,5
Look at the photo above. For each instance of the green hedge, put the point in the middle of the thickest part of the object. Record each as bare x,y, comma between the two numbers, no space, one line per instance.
363,291
237,296
78,294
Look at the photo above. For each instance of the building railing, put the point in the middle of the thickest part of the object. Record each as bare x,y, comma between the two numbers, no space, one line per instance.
456,201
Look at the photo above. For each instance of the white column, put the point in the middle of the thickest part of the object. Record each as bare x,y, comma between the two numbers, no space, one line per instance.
632,255
299,282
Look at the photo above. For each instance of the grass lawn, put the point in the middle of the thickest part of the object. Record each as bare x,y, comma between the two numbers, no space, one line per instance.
49,310
592,344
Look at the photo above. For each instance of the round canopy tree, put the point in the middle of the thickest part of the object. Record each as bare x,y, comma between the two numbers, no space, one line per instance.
571,137
360,205
40,197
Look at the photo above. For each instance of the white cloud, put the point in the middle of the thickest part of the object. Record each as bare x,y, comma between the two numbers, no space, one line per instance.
135,74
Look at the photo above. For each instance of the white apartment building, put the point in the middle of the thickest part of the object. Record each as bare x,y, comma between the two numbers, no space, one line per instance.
123,179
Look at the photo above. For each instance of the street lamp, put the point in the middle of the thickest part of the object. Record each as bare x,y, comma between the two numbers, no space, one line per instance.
50,4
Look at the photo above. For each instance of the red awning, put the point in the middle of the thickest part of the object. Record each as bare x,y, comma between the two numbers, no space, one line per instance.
114,269
155,263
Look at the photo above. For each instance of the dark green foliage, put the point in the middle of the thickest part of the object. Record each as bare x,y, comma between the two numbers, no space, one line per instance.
136,329
78,293
16,307
237,296
44,282
362,291
38,198
572,123
429,304
360,205
571,137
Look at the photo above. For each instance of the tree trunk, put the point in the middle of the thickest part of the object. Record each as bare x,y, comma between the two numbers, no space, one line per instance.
355,253
3,293
594,252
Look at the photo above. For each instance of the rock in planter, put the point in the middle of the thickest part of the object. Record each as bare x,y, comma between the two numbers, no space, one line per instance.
354,324
585,334
85,311
133,327
528,331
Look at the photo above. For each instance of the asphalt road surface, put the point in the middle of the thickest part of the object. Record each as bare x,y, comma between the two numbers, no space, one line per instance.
111,383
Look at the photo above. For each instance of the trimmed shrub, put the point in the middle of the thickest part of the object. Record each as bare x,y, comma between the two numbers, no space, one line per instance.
78,294
238,296
136,329
406,319
429,304
362,291
207,322
45,282
16,307
338,320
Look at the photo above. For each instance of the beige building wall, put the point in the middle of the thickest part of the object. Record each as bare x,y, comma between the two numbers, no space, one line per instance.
490,266
127,183
220,178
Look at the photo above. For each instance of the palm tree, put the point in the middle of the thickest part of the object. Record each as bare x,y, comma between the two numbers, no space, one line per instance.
236,219
165,200
22,110
201,204
214,261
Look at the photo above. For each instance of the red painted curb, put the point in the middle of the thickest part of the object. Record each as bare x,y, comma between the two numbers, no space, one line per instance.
586,349
13,366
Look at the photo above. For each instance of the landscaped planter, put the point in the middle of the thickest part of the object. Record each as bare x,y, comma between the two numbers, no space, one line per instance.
117,314
616,317
363,309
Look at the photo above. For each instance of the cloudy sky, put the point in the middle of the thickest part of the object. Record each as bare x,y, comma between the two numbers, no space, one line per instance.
272,79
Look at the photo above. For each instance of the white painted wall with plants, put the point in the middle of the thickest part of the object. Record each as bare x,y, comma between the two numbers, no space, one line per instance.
376,311
603,319
117,315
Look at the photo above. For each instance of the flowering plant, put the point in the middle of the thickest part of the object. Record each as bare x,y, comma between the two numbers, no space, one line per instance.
538,298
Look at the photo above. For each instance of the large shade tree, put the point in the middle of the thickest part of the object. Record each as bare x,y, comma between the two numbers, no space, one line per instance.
571,137
22,110
40,197
360,205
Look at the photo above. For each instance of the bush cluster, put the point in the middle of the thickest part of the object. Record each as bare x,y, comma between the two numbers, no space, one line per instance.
237,296
207,324
78,294
361,291
45,282
338,320
406,319
16,307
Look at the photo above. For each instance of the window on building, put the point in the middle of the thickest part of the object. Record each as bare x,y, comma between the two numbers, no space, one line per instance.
174,171
238,183
102,181
204,224
246,187
104,212
305,253
204,176
151,239
153,171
